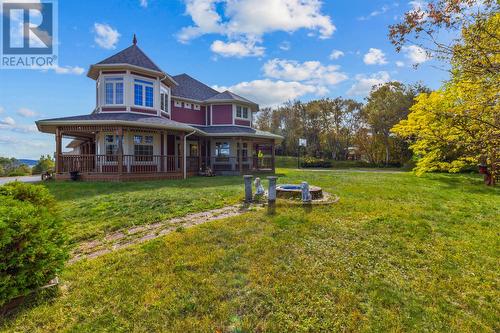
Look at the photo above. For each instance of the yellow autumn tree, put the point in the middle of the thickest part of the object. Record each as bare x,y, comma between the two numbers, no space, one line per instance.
459,125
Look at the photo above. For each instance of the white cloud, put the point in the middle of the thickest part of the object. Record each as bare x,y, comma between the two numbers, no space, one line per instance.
9,124
143,3
364,83
105,36
415,54
25,112
400,64
246,20
69,70
312,72
336,54
374,57
285,46
418,6
377,12
8,121
237,49
76,70
271,93
21,147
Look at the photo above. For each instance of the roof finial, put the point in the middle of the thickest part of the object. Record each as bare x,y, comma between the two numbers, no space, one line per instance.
134,41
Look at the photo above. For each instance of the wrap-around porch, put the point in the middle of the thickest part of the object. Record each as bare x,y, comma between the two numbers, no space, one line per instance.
106,152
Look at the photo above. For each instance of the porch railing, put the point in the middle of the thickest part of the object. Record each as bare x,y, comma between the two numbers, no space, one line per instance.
159,163
130,163
231,163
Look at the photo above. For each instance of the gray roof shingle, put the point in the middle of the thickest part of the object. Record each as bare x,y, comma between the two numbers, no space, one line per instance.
191,88
121,116
132,55
228,96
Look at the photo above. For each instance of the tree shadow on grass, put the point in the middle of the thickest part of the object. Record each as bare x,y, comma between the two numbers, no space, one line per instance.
69,190
31,301
470,183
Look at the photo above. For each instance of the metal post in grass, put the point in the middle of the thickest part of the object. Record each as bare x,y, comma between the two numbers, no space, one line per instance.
271,196
248,187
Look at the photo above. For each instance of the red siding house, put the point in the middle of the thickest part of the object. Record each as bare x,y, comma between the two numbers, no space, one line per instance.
148,124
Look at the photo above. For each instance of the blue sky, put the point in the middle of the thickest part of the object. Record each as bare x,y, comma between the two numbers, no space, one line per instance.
269,51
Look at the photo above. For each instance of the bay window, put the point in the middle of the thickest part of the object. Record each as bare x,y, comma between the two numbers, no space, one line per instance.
242,112
143,93
113,90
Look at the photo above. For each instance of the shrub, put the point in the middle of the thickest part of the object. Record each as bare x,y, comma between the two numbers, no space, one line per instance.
45,163
313,162
32,247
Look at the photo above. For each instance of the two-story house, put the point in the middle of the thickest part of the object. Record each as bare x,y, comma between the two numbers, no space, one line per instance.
148,124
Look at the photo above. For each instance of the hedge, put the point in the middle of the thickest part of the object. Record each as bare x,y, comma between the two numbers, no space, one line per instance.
32,245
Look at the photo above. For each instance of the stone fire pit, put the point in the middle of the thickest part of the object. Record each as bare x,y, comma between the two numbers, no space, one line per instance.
294,191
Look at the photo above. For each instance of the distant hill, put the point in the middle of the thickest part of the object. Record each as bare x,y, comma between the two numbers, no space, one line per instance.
30,163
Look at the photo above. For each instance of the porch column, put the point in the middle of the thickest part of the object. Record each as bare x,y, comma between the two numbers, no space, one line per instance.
240,156
199,153
207,155
181,154
120,150
58,150
250,155
162,151
273,155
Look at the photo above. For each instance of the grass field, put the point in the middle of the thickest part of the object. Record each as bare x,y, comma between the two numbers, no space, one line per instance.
396,253
91,210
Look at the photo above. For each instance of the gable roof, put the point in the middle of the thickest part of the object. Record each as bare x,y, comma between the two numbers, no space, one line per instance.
228,96
191,88
132,55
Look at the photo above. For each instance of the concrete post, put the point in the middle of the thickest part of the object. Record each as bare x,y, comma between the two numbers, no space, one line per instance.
248,187
271,196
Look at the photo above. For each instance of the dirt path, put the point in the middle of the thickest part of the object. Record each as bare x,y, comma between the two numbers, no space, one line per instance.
135,235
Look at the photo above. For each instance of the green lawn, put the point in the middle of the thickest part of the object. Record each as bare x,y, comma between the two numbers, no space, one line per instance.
397,253
90,210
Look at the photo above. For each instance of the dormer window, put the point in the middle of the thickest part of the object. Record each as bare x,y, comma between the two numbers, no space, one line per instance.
114,90
242,112
143,93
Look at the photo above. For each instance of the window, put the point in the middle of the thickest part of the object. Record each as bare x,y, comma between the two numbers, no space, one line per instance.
143,93
242,112
164,101
137,94
111,142
222,149
187,105
193,149
113,90
244,151
178,104
143,148
197,107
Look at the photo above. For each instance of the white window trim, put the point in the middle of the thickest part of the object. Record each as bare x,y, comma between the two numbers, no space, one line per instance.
133,83
188,105
177,104
167,102
197,107
103,89
249,114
